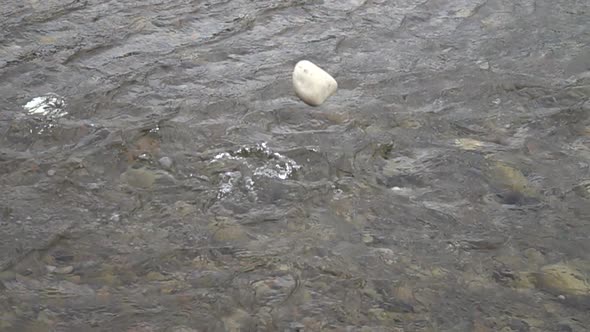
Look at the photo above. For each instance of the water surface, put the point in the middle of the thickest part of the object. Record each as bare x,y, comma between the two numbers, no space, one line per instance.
157,172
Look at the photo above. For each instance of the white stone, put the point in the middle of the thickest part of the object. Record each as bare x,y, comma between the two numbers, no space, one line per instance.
165,162
312,84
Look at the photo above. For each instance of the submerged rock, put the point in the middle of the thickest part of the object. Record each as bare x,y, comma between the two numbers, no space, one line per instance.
534,257
312,84
183,329
469,144
512,179
165,162
583,189
228,232
236,321
562,278
139,178
144,178
64,270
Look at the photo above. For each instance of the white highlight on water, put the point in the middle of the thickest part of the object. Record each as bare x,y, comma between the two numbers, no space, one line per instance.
49,106
274,165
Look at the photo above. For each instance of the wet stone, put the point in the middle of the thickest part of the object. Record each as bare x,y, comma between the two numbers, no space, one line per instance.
7,275
184,209
563,279
229,233
75,279
368,238
404,293
142,327
155,276
570,325
7,320
238,321
144,178
183,329
64,270
312,84
513,198
469,144
208,278
171,286
180,185
165,162
93,186
274,289
484,65
482,244
296,327
140,178
583,189
519,325
513,179
534,257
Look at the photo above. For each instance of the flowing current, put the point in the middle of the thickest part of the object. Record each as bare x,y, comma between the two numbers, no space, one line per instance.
158,173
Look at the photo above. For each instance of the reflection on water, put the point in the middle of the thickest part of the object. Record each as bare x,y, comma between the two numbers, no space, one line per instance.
45,110
49,106
257,161
445,187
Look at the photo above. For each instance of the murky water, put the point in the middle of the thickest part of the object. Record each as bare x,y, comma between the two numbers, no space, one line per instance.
157,172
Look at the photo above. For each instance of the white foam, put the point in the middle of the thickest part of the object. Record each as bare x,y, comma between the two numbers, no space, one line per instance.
229,180
267,163
49,106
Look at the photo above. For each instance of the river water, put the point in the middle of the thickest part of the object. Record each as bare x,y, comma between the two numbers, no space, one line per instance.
157,172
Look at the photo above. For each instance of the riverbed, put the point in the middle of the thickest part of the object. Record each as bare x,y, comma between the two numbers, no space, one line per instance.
158,173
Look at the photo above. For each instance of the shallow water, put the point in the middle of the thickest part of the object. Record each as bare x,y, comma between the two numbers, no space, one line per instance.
157,172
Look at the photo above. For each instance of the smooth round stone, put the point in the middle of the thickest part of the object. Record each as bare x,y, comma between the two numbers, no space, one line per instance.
312,84
165,162
64,270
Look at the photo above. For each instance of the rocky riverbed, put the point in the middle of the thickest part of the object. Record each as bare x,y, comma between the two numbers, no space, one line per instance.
158,173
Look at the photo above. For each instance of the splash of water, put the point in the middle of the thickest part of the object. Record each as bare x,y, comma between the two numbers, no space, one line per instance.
50,106
261,160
